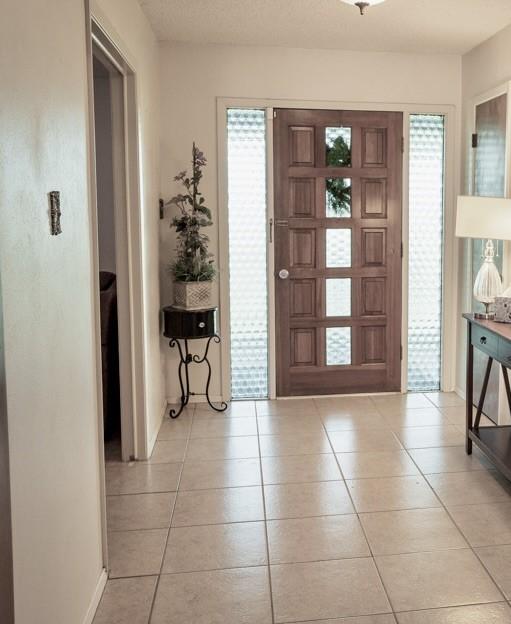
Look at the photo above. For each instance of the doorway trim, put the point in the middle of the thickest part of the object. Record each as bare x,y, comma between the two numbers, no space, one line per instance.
99,31
450,243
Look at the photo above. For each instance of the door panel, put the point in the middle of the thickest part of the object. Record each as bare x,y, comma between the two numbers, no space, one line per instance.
338,251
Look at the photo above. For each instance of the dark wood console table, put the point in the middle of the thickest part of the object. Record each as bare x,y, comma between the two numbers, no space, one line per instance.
493,339
188,325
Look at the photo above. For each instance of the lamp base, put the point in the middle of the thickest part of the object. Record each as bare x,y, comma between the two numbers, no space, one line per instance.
484,316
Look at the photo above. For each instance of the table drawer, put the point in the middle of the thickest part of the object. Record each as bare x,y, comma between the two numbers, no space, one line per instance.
485,340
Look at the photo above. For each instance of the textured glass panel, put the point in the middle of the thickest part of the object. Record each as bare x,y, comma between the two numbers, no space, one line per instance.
338,346
425,241
338,197
338,147
246,130
338,247
338,297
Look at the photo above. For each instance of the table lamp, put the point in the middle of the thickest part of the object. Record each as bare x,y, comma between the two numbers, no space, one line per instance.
487,218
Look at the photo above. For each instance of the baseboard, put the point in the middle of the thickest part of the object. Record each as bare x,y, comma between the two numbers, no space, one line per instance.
152,441
194,399
460,393
96,598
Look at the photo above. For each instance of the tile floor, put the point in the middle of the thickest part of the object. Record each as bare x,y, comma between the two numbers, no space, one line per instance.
359,510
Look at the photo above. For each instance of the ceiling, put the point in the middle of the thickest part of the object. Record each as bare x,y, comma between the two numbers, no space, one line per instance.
422,26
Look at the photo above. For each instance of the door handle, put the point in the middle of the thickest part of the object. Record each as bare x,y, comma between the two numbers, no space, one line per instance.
283,273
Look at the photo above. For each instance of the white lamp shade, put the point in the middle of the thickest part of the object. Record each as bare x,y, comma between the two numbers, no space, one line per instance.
483,217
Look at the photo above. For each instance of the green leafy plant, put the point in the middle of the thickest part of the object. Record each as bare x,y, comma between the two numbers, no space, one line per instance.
193,261
338,154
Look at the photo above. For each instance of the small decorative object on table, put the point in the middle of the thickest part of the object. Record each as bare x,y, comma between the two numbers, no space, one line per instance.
188,325
503,309
193,268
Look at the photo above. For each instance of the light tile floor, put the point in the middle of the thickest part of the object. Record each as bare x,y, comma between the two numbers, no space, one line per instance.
357,510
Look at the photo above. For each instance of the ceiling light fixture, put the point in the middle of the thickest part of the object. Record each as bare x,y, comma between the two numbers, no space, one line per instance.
363,4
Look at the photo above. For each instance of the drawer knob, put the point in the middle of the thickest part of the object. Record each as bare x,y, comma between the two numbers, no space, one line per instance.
482,340
202,325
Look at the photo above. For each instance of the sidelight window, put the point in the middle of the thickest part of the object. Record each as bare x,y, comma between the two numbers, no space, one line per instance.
246,150
426,215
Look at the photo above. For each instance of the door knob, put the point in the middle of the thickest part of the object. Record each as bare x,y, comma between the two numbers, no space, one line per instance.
283,273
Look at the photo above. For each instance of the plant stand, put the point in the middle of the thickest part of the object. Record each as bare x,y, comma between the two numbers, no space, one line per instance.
188,325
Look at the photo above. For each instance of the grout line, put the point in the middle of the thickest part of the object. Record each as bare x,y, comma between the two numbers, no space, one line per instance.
444,507
362,528
268,562
169,529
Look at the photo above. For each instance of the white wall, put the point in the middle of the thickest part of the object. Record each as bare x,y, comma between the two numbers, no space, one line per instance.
485,67
127,26
47,296
192,77
46,280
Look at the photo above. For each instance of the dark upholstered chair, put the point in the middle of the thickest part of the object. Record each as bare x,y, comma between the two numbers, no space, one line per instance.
109,354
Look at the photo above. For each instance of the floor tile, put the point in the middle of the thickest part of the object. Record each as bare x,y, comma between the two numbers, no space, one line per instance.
300,469
438,579
411,530
300,500
190,549
223,427
474,614
497,560
448,459
126,601
235,409
425,437
176,428
303,444
221,473
347,422
316,539
285,425
457,416
167,451
142,478
387,618
218,506
345,404
466,488
241,447
139,511
391,493
487,524
238,596
282,407
420,417
376,464
394,404
445,399
361,440
327,589
136,553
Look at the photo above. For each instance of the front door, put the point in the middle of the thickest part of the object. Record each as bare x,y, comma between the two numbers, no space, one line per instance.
338,251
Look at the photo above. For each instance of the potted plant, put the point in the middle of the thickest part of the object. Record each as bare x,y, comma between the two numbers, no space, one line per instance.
193,268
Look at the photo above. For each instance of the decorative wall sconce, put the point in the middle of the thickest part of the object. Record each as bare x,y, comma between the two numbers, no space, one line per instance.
55,228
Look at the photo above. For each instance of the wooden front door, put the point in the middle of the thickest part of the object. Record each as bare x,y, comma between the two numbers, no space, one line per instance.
338,251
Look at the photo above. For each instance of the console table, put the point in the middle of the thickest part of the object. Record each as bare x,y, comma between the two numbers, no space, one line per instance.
493,339
188,325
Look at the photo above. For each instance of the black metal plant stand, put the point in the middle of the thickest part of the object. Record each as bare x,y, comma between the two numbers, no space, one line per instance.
188,325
